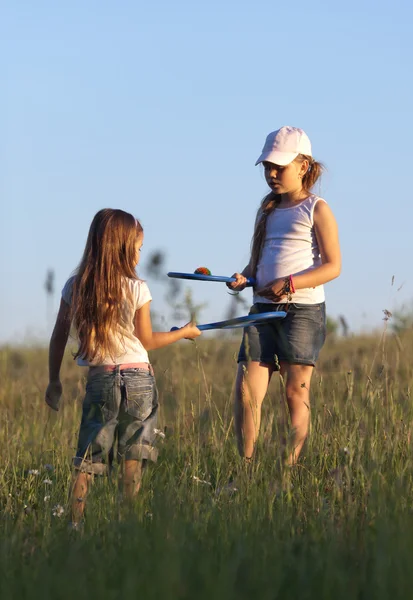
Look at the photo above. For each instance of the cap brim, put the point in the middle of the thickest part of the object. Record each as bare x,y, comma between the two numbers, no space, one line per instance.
277,158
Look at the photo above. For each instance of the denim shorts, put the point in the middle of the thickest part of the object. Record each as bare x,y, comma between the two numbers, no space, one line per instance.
119,405
296,339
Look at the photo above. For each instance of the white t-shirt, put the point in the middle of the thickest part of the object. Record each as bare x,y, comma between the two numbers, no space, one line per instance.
290,248
130,348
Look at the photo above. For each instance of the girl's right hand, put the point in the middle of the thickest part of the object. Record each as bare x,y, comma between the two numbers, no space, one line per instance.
190,331
53,394
239,284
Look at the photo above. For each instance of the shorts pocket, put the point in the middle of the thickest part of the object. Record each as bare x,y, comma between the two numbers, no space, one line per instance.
99,405
315,308
139,394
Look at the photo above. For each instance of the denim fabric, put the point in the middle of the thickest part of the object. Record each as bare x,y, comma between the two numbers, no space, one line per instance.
119,405
297,339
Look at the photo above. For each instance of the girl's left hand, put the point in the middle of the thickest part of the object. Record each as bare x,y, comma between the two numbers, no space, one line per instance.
273,291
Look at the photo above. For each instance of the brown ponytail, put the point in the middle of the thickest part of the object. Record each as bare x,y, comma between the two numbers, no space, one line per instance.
270,203
313,172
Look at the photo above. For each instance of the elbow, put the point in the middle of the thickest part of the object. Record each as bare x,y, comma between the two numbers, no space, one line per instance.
332,271
147,344
336,271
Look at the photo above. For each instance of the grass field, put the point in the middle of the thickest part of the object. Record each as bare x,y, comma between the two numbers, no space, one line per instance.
341,525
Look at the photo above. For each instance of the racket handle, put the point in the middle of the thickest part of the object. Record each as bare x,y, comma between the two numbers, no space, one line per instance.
176,329
250,281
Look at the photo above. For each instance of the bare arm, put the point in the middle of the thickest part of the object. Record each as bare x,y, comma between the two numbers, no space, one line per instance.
326,231
57,347
152,340
58,340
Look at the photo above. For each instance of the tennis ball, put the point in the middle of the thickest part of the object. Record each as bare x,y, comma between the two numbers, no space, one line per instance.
202,271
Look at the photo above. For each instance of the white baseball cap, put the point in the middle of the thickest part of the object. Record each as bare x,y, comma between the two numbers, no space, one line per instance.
284,145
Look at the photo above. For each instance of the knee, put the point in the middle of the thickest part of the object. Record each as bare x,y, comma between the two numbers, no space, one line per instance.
297,392
133,471
244,398
298,401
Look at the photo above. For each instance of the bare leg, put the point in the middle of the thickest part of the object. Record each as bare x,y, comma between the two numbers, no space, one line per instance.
132,477
79,492
251,386
297,387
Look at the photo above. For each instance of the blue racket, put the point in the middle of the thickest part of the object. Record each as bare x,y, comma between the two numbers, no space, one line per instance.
202,277
242,321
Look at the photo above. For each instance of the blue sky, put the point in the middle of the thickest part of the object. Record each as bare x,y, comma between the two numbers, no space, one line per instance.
162,109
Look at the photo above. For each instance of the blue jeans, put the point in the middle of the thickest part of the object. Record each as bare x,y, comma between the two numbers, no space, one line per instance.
122,405
297,339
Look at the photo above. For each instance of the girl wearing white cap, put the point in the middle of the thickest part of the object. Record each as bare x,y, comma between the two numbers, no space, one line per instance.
295,250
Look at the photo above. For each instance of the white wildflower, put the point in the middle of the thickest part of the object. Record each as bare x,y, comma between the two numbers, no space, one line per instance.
195,478
58,510
346,450
47,481
46,498
160,433
33,471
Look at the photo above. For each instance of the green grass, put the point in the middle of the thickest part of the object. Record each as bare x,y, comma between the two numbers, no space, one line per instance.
341,527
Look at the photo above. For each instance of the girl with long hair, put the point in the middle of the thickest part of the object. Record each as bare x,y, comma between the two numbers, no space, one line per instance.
109,307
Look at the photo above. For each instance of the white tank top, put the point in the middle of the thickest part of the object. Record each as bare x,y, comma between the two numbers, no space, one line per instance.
290,248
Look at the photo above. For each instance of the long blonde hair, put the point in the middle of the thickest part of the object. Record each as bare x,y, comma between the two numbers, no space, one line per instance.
98,293
270,203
